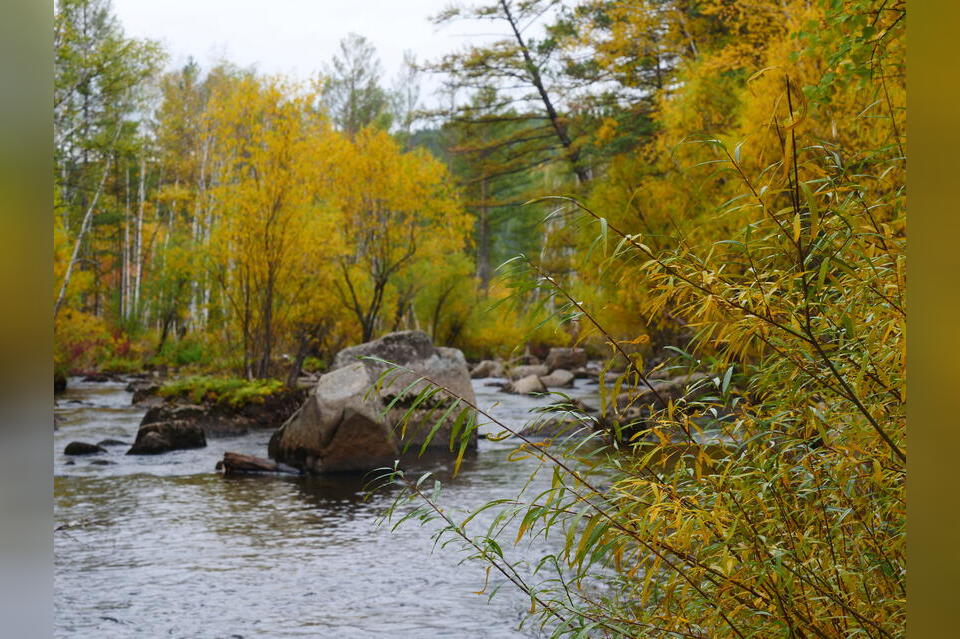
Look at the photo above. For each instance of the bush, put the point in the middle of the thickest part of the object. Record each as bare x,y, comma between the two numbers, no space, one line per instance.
769,500
313,365
121,366
81,341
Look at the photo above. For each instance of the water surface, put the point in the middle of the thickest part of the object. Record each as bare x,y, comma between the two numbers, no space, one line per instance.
162,546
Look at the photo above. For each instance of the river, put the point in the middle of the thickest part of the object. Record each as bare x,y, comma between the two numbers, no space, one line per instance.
162,546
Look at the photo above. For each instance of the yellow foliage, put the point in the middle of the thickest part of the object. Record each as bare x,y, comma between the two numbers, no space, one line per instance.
398,209
275,231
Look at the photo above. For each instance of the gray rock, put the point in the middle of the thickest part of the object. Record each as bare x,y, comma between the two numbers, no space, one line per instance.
519,372
487,368
342,427
567,358
162,437
526,386
339,428
398,348
559,378
144,391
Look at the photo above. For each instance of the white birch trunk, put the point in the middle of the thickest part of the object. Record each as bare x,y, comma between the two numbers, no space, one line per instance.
84,227
138,239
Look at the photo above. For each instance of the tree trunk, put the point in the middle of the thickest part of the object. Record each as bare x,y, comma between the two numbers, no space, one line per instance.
483,239
303,347
125,250
138,241
559,127
238,464
84,227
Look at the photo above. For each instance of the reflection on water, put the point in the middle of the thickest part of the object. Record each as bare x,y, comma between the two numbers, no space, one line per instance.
163,546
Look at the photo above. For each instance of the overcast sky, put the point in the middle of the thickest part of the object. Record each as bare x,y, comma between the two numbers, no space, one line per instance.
294,37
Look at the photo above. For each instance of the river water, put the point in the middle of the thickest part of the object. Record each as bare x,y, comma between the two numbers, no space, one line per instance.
162,546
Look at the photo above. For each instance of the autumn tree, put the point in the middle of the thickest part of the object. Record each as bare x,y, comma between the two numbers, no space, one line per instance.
275,225
99,81
399,209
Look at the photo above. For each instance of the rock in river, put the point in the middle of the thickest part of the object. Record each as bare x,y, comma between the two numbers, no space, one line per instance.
526,386
219,418
111,442
568,358
162,437
82,448
519,372
559,378
487,368
342,427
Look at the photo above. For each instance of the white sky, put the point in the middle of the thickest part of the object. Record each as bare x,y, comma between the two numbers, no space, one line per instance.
295,37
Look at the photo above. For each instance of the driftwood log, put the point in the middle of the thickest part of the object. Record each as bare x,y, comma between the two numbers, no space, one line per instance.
239,464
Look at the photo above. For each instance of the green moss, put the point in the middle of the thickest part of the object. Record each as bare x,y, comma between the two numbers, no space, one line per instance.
221,390
313,365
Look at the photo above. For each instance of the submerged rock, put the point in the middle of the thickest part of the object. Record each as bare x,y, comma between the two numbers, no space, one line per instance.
342,427
82,448
111,442
163,437
98,378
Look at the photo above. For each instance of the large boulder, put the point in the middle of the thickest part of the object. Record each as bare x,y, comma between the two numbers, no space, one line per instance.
162,437
340,427
566,358
345,426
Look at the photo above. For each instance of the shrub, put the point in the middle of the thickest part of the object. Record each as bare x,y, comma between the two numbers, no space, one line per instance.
767,500
313,365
